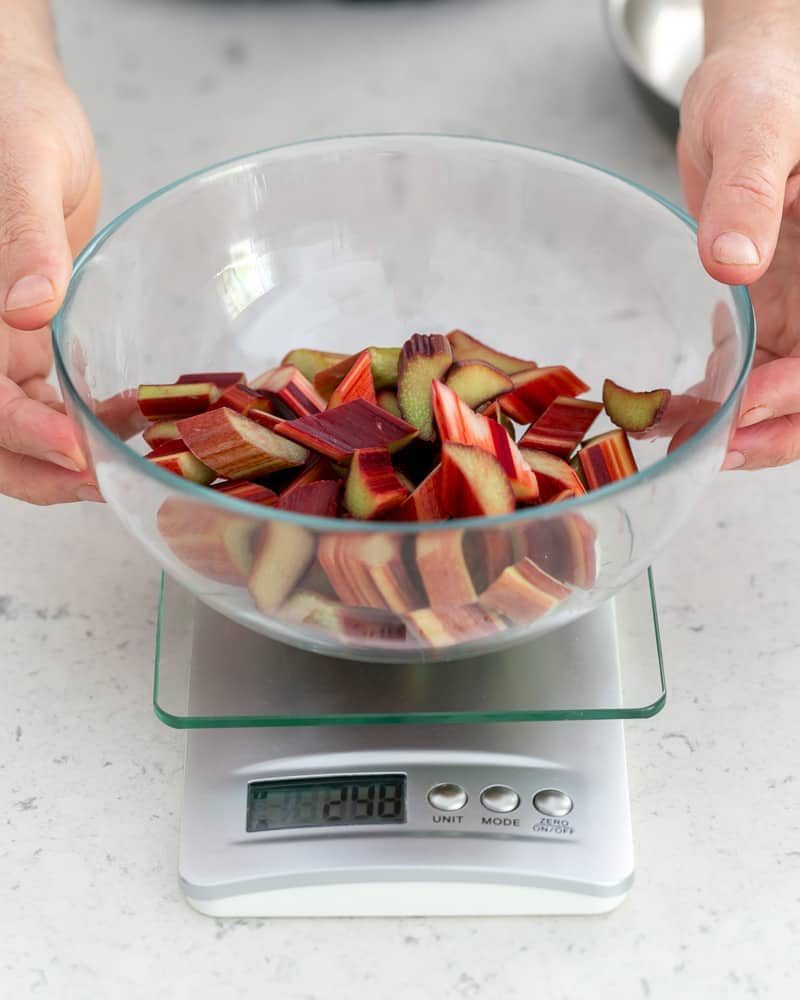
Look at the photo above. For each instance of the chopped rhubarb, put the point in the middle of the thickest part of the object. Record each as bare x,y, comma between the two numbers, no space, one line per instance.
453,625
320,498
268,420
357,383
373,487
291,393
237,448
458,423
477,382
160,432
310,362
316,469
524,592
535,389
244,399
562,495
339,432
242,489
488,552
562,426
494,412
423,358
473,483
222,380
443,568
215,544
384,370
283,554
307,607
368,571
170,402
175,457
634,411
553,474
467,348
607,458
564,546
387,400
423,504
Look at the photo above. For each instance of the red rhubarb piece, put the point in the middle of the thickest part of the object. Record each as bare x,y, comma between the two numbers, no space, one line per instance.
290,392
459,424
564,546
443,568
320,498
384,370
237,448
562,426
307,607
473,483
368,571
524,592
553,474
453,625
215,544
607,458
244,399
477,382
535,390
467,348
339,432
283,554
170,402
316,469
423,358
242,489
373,487
423,504
175,457
160,433
222,380
637,412
310,361
357,383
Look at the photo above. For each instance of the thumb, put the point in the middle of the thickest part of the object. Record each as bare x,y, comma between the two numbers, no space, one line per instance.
35,258
740,217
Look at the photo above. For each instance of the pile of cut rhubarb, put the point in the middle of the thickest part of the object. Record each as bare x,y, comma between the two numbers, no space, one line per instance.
443,427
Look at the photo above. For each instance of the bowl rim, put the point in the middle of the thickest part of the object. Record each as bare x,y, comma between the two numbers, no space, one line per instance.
256,512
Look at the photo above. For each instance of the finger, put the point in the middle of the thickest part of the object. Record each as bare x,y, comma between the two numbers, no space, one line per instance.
743,204
35,258
772,390
765,445
40,389
82,221
693,179
28,427
29,354
25,478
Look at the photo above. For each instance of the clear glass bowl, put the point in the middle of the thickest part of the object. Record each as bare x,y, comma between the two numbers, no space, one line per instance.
344,243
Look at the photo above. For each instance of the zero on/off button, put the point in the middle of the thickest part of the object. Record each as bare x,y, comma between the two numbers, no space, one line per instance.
552,802
447,797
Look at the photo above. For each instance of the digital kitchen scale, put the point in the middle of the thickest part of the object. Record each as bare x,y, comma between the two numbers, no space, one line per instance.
324,787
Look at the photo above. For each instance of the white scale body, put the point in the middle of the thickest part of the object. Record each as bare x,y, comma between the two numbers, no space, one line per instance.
468,848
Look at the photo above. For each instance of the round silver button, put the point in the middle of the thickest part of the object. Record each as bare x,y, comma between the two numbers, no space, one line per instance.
551,802
447,797
500,798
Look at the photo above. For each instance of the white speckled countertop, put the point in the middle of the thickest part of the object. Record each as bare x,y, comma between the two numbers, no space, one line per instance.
90,781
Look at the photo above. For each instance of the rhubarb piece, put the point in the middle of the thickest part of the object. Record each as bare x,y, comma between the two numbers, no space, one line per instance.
384,362
577,468
524,592
423,358
283,554
357,383
310,362
291,393
493,412
268,420
477,382
175,457
222,380
320,498
160,432
634,411
170,402
237,448
535,390
443,568
553,474
562,426
423,504
458,423
318,468
561,495
564,546
215,544
387,400
242,489
473,483
307,607
607,458
467,348
339,432
488,552
244,399
451,626
368,571
373,487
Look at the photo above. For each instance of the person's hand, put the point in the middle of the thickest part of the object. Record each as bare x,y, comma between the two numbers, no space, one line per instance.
49,197
738,153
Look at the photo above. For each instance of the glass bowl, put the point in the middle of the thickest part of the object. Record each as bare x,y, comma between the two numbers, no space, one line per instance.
345,243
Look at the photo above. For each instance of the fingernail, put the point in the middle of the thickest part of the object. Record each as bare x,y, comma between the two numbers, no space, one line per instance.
735,248
32,290
733,460
755,415
63,460
89,493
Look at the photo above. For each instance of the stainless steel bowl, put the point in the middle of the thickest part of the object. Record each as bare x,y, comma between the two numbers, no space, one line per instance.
661,43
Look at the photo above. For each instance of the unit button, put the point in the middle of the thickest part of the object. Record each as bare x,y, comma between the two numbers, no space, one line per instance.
447,798
551,802
500,798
